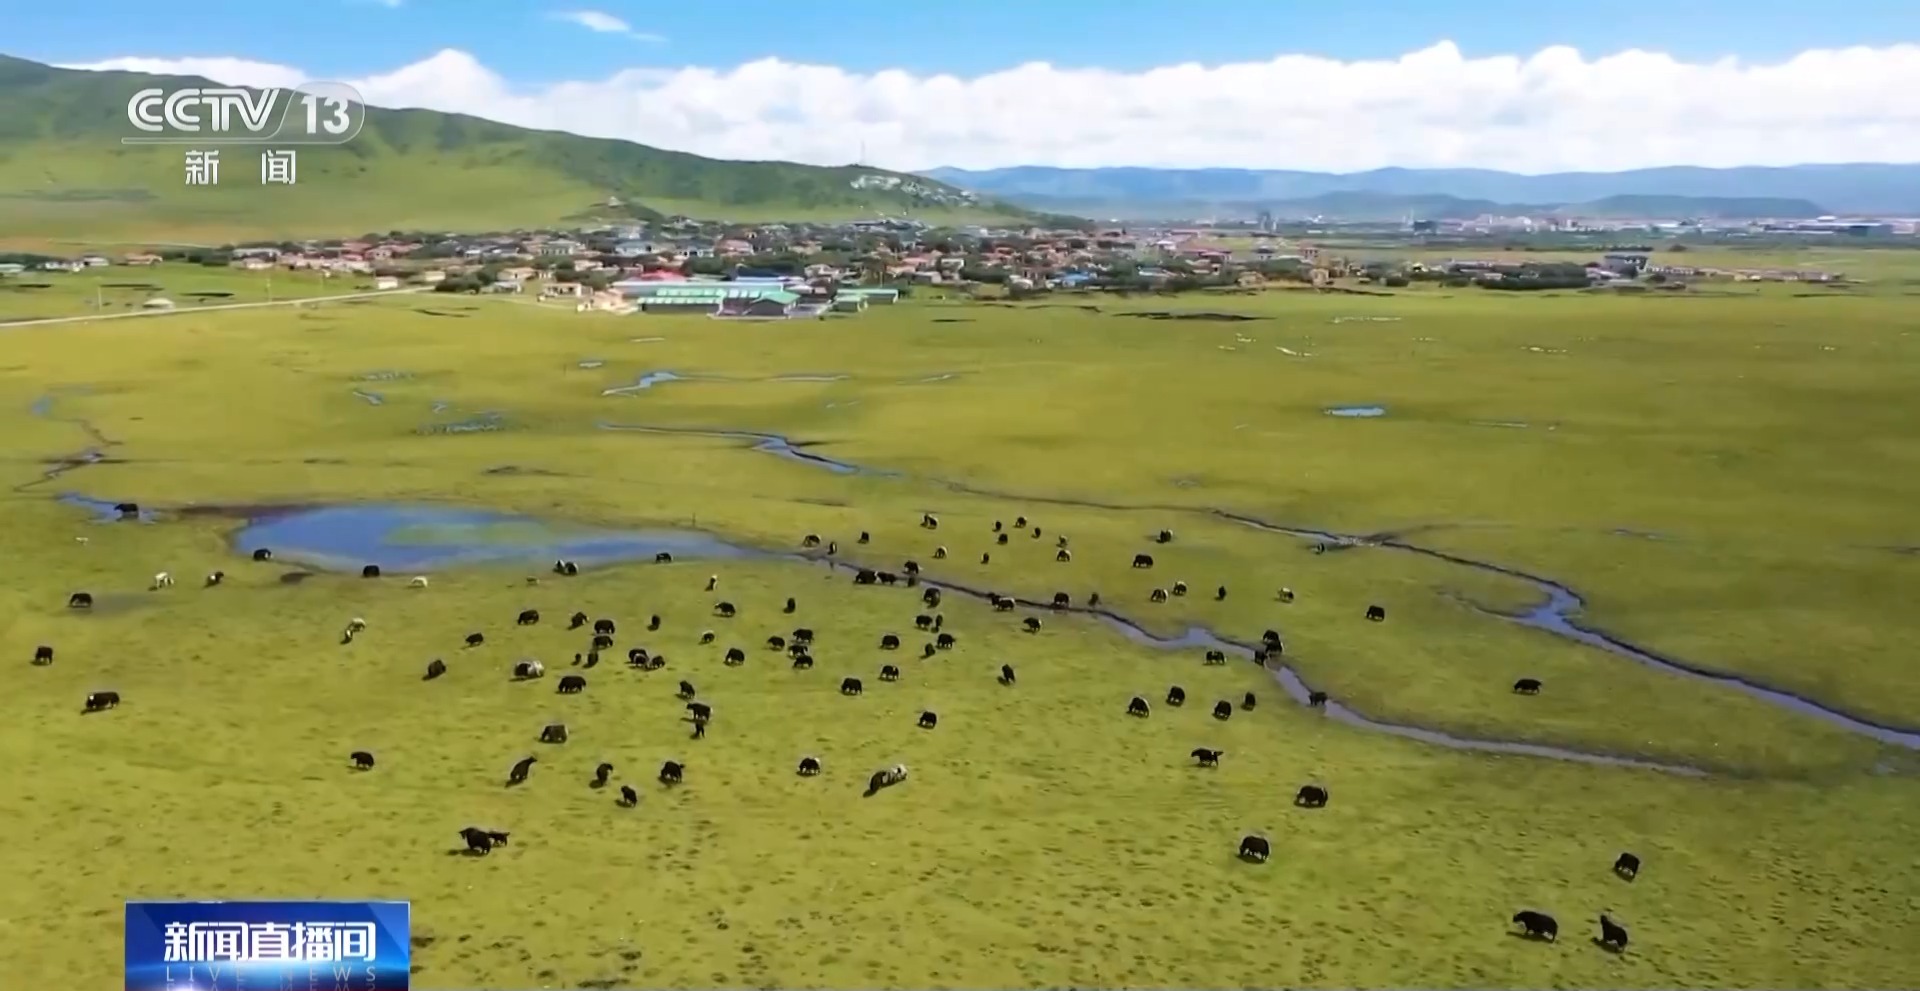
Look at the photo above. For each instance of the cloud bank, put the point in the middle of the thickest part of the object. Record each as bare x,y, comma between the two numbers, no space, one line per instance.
1555,110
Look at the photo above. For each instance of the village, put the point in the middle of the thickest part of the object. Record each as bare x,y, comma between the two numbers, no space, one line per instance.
786,271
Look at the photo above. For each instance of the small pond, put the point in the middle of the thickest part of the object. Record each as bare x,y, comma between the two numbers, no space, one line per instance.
408,538
1354,411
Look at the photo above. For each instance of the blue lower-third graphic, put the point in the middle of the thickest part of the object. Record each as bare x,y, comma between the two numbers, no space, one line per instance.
267,946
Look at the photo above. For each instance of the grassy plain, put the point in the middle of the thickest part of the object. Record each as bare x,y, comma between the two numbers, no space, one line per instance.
123,288
1044,839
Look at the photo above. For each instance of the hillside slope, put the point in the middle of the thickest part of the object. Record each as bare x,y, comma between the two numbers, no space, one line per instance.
65,174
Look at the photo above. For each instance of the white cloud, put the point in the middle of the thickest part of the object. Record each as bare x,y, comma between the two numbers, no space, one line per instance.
604,23
1554,110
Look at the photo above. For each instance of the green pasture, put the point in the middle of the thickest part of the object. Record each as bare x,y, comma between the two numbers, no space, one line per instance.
123,288
1766,444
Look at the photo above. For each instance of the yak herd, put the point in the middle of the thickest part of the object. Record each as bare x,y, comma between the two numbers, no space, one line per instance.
1254,848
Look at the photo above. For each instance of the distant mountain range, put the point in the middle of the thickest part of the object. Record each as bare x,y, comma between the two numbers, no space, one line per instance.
64,174
1681,192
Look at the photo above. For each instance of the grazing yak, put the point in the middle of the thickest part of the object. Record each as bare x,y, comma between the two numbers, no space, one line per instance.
1032,623
1527,686
262,554
926,650
672,772
706,637
160,581
529,617
997,526
910,567
525,670
629,797
803,661
889,672
802,634
886,779
435,668
476,639
1137,706
1255,849
985,557
1613,935
850,686
940,553
1179,588
576,621
370,571
930,598
1157,595
518,773
97,701
1537,925
1176,696
929,720
482,841
700,712
663,558
1004,603
929,521
653,623
1063,555
362,760
865,537
1286,595
1093,600
865,576
1006,674
724,610
553,733
713,582
1163,537
686,690
889,578
923,622
1220,594
593,658
572,684
1222,710
1001,540
790,606
735,657
1216,657
1627,866
80,600
944,641
1036,533
215,578
417,581
565,567
1271,638
1143,560
776,642
603,627
1019,522
810,540
600,775
1377,614
1317,700
889,642
43,654
809,766
1311,797
1246,701
1207,758
637,657
1062,600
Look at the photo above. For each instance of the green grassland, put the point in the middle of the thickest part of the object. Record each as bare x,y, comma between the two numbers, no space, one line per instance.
123,288
1044,838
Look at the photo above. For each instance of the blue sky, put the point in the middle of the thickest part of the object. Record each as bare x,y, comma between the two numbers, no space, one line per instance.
524,42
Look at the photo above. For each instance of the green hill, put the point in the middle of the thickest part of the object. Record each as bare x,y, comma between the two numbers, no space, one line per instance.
64,175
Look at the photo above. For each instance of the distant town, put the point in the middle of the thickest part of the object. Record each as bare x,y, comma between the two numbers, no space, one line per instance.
783,271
